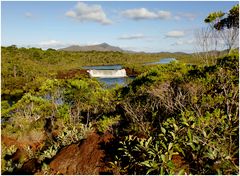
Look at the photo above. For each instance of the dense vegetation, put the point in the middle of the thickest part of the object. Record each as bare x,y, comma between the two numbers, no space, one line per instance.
171,119
192,114
171,110
24,69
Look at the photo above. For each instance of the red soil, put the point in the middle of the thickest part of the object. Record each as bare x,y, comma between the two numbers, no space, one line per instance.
30,166
180,164
71,73
22,144
84,158
131,72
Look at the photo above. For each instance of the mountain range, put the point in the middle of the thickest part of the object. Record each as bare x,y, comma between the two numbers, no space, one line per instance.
99,47
107,47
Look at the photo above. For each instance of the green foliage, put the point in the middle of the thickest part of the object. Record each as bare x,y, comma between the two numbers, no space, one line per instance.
5,108
106,123
36,106
45,169
40,115
203,141
212,17
8,165
158,73
30,152
226,27
169,111
63,112
194,116
73,134
146,156
24,70
220,22
49,153
87,97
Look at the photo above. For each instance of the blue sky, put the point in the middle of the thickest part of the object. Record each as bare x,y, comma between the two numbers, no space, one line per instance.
139,26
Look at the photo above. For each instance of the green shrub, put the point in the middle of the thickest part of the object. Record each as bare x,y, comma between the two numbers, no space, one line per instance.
7,165
73,134
193,115
106,123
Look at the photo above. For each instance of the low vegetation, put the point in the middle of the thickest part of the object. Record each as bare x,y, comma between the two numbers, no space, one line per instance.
192,115
175,110
171,119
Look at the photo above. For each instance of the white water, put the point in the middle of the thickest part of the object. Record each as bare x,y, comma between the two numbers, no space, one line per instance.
108,73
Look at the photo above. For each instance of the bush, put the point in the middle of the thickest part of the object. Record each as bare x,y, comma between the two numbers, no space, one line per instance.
106,123
193,116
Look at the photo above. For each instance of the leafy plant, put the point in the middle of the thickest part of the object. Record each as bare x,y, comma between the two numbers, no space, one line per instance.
49,153
7,165
106,123
73,134
45,169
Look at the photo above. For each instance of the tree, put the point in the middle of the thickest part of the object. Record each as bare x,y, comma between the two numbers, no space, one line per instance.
207,45
226,25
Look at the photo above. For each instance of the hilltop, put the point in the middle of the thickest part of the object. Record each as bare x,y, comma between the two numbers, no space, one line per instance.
99,47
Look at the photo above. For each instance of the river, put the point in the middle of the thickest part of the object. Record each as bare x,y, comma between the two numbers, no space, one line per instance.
109,75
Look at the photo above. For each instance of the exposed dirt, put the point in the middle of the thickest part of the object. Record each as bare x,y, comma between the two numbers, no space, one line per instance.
30,166
33,139
71,73
22,145
131,72
180,164
83,158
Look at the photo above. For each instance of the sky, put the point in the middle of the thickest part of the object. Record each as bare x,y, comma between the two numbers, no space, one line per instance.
153,26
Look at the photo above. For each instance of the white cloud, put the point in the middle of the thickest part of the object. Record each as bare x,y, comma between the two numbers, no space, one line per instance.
190,41
183,42
175,34
164,14
189,16
28,14
91,43
132,37
50,42
178,43
137,48
138,14
55,44
177,17
84,12
71,13
143,13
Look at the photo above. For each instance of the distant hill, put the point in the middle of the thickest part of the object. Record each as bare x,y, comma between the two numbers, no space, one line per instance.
181,53
100,47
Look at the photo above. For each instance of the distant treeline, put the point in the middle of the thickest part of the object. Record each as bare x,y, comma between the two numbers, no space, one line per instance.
24,68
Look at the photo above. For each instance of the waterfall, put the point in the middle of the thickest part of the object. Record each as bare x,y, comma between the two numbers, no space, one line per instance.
108,73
